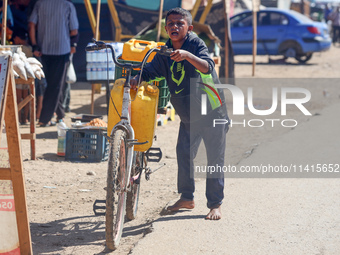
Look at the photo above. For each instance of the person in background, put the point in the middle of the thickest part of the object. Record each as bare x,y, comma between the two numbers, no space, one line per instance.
67,91
53,30
40,85
335,18
10,19
327,11
19,12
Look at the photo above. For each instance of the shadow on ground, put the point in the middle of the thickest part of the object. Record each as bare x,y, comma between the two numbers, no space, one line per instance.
48,135
276,62
56,235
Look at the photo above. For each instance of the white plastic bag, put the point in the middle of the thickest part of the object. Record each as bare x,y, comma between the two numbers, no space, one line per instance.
71,74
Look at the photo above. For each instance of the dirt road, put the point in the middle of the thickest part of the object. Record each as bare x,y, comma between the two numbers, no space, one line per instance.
261,216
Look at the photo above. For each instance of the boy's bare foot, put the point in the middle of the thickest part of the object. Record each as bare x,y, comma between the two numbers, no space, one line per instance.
180,204
214,214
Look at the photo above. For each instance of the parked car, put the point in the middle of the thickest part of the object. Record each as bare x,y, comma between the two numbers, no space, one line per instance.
279,32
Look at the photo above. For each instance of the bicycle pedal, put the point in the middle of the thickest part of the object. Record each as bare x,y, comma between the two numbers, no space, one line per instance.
98,208
154,154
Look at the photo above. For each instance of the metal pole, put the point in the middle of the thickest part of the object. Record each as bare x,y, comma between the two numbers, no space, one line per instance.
96,35
4,22
161,2
226,7
254,41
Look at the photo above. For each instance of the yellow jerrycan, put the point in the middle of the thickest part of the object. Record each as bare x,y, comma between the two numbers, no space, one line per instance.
135,50
143,111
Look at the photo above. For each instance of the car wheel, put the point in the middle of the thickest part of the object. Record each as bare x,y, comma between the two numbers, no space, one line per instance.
304,58
290,52
290,49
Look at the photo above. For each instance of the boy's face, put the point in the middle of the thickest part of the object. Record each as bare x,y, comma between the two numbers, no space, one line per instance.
177,27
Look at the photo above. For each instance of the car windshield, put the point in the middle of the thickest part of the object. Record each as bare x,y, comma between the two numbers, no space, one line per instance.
302,18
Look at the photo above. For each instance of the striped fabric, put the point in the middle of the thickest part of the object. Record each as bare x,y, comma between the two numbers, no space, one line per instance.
54,19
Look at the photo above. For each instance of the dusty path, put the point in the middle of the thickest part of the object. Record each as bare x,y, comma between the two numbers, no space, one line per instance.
60,194
265,216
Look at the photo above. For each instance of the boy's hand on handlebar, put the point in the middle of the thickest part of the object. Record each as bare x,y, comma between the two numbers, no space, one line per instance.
134,82
179,55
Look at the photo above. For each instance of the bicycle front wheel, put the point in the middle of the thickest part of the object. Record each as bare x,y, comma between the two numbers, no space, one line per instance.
116,190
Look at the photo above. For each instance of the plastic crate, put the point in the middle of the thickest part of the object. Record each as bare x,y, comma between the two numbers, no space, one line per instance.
164,93
87,145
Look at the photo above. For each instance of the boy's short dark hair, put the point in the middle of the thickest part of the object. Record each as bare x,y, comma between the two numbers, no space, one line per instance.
178,10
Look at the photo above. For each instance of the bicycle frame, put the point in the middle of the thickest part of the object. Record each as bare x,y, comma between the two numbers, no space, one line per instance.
124,124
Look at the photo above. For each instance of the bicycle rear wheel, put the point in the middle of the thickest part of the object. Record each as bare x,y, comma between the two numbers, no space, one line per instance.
133,195
116,190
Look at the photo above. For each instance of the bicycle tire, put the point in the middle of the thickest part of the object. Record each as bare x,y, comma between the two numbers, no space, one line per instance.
133,195
116,190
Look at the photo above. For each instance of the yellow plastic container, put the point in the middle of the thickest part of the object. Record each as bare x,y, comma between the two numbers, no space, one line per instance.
143,111
135,50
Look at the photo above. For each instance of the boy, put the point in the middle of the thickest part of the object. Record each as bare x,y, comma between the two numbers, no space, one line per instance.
188,63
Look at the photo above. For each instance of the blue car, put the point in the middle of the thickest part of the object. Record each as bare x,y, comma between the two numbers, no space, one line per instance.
279,32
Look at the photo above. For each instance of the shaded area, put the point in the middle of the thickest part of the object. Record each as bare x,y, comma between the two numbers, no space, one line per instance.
75,231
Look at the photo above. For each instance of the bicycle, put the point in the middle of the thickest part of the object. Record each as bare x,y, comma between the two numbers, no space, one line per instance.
125,166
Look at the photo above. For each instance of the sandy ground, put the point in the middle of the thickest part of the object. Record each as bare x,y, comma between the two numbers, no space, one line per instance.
60,194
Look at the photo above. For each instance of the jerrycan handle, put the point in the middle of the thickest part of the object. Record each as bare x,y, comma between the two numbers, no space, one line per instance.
160,44
142,43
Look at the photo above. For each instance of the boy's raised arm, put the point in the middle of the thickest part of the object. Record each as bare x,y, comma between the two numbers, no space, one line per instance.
200,64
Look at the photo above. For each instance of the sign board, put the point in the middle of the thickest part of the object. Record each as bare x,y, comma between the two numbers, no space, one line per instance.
9,243
15,236
9,240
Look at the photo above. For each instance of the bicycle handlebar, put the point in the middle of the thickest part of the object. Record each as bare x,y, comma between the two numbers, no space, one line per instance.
99,45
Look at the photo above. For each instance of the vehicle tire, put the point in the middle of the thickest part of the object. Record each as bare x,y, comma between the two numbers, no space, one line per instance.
304,58
133,194
290,49
116,190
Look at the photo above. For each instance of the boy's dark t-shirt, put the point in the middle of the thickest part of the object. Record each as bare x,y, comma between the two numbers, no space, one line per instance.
186,83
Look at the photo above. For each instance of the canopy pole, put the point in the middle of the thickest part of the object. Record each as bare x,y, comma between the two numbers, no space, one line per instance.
254,42
256,8
205,12
226,7
96,35
90,15
195,9
160,16
4,22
